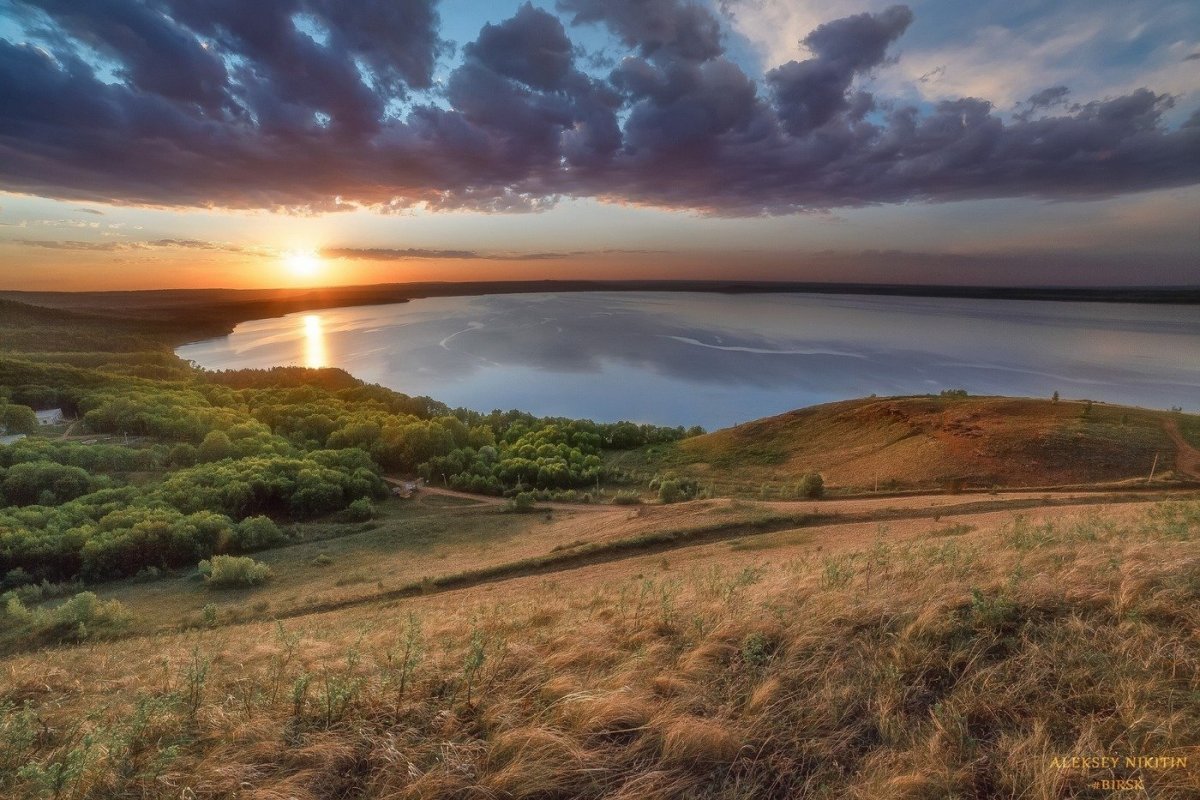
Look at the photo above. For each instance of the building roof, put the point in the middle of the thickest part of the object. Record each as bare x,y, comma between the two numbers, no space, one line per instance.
49,415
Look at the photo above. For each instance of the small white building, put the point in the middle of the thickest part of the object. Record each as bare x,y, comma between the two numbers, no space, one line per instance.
51,416
405,489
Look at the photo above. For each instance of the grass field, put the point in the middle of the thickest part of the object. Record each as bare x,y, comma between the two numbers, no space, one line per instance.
933,658
925,443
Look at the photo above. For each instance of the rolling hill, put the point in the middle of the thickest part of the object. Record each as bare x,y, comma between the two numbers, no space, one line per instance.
900,443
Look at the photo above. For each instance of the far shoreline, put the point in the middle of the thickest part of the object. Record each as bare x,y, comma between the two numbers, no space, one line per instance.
192,315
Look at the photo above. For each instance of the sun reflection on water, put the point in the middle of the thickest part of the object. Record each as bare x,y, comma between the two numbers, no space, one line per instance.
315,356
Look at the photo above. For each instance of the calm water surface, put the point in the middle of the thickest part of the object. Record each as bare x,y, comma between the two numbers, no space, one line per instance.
716,360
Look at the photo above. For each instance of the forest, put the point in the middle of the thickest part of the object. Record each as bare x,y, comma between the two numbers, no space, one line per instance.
166,465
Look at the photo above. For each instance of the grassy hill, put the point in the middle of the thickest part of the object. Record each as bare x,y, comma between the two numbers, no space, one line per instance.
930,443
925,660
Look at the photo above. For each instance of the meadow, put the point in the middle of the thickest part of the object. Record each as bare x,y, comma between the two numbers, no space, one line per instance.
958,660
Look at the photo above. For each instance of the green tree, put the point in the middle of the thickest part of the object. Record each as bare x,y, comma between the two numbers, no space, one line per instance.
215,447
183,455
17,418
257,533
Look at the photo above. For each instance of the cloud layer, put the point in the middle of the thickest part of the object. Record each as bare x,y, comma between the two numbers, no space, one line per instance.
323,104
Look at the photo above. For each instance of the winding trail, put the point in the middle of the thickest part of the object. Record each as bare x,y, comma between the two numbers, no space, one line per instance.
620,549
491,500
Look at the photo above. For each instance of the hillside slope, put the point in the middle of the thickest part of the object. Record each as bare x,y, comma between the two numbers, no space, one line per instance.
35,329
932,442
926,663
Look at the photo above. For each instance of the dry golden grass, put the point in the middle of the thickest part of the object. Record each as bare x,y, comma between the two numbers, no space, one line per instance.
918,666
414,547
926,442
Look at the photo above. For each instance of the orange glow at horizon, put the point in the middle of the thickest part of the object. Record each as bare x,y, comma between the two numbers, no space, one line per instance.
303,264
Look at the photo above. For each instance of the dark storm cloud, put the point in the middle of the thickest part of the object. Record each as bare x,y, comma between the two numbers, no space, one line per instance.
809,93
1042,101
668,30
154,53
322,104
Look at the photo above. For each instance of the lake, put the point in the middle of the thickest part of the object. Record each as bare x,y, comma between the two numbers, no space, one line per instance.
716,360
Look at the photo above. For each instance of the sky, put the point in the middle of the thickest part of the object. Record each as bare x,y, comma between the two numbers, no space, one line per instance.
219,143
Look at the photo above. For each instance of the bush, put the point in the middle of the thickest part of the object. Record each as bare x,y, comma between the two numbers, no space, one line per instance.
215,447
811,486
183,455
81,617
669,492
522,502
17,418
44,483
627,498
15,578
258,533
360,510
234,572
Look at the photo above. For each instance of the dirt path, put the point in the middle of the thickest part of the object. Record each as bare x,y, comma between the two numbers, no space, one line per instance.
1187,458
837,505
489,500
626,548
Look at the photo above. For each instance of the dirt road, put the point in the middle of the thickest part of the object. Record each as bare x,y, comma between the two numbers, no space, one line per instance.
631,535
489,500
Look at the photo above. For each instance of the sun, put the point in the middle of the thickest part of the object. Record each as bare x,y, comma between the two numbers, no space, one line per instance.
302,263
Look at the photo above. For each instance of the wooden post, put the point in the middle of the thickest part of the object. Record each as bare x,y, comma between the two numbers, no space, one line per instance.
1153,467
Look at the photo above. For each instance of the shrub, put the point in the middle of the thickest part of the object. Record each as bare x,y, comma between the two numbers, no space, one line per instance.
234,572
669,492
17,418
15,578
757,649
522,502
257,533
627,498
83,616
812,486
183,455
44,483
215,447
360,510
